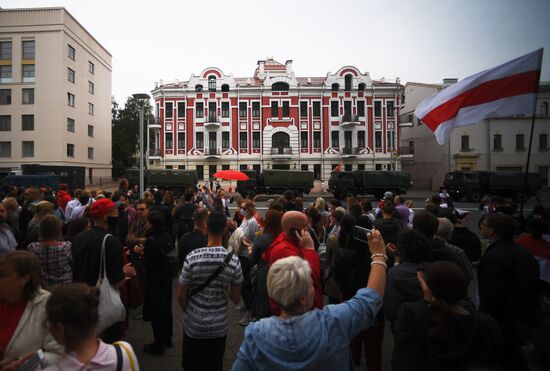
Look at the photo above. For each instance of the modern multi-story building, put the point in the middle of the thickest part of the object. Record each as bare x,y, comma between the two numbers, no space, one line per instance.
275,120
498,144
55,92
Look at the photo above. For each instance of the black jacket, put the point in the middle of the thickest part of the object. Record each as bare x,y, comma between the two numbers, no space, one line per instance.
467,241
389,228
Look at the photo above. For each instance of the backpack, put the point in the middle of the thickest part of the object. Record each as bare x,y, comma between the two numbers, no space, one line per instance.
184,224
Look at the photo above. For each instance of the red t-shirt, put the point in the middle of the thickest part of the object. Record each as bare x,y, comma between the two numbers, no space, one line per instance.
10,314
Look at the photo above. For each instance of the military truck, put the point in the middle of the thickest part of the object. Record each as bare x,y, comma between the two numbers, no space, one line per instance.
363,182
275,182
175,180
473,185
44,180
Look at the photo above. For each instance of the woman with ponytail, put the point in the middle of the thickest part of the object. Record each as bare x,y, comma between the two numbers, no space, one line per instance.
71,314
443,331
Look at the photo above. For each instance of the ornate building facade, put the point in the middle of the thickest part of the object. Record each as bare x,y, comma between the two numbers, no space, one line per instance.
275,120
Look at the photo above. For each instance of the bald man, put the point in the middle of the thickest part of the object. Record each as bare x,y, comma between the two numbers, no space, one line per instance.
295,240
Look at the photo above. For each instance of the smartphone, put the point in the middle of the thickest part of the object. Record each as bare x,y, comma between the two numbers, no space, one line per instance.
33,361
361,234
292,232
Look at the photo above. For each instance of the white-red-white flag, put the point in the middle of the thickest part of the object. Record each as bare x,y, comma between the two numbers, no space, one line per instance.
507,90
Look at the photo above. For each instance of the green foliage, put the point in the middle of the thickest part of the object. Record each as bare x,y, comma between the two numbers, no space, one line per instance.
125,134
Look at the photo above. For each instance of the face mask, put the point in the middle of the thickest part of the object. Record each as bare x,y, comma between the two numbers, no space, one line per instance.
243,212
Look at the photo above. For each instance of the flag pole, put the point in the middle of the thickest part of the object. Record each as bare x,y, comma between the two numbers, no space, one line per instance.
526,176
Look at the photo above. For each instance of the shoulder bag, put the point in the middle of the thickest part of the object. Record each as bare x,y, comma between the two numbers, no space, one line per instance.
213,276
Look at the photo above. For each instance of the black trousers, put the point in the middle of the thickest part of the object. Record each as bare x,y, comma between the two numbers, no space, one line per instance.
162,320
203,354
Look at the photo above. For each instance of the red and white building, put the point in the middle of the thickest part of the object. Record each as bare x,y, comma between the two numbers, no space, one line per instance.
275,120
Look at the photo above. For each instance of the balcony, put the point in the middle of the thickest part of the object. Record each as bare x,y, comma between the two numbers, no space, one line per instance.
154,123
212,122
212,153
406,152
349,120
348,152
154,154
281,153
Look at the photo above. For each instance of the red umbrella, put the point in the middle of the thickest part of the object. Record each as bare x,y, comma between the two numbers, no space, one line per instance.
231,175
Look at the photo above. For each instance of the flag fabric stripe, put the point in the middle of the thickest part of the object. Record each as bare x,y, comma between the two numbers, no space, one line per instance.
506,90
519,84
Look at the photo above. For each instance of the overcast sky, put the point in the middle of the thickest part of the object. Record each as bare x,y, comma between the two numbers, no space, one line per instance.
419,40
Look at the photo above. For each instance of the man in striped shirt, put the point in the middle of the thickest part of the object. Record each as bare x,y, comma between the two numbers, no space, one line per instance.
205,313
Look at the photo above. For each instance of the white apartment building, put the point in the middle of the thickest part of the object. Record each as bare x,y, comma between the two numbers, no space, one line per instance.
498,144
55,92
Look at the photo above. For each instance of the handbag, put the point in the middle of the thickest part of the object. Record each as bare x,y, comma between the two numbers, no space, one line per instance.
110,310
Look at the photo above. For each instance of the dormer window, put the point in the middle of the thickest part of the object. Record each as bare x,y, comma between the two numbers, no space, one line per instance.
335,87
225,88
212,83
280,86
361,87
198,88
348,82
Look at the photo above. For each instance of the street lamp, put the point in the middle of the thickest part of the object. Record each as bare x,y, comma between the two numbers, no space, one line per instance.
141,100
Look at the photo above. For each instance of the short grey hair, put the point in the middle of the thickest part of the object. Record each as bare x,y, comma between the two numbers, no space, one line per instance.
339,213
445,229
288,280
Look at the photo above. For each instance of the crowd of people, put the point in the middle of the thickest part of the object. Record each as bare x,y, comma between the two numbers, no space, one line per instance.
316,284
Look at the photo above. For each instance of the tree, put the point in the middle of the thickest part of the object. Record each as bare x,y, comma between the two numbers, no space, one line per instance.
125,134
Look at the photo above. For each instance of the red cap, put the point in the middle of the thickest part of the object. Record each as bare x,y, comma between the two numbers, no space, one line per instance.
100,208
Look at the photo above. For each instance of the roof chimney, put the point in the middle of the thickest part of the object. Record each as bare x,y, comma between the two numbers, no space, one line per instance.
449,81
288,65
261,65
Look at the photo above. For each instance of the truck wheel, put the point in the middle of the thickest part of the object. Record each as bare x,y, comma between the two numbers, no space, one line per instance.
521,196
475,195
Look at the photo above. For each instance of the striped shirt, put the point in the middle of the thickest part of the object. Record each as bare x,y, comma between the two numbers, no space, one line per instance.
56,262
206,312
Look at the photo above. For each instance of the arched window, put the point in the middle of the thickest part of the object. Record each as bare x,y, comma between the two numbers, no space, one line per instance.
361,87
280,86
211,83
543,109
335,87
198,88
280,141
225,88
349,82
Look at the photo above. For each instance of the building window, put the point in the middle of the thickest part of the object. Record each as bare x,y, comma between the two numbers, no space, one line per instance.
334,108
199,139
390,108
28,49
212,83
317,139
169,141
181,140
5,149
390,140
317,171
169,110
255,109
335,87
377,108
348,79
27,122
316,109
361,139
225,139
5,96
199,110
378,139
90,153
28,72
70,150
70,125
286,108
212,112
348,167
91,68
5,74
70,99
304,167
243,143
360,167
543,142
361,108
303,109
225,88
90,109
70,75
5,123
27,96
303,139
91,87
543,109
497,142
347,109
27,148
256,139
274,109
181,109
5,50
71,52
280,86
91,131
200,172
198,88
242,109
335,139
225,109
465,143
520,142
361,87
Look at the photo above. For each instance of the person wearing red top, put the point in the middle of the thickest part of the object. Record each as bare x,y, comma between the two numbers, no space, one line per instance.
62,197
295,240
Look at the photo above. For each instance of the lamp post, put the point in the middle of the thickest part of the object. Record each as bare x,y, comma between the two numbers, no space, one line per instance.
141,100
